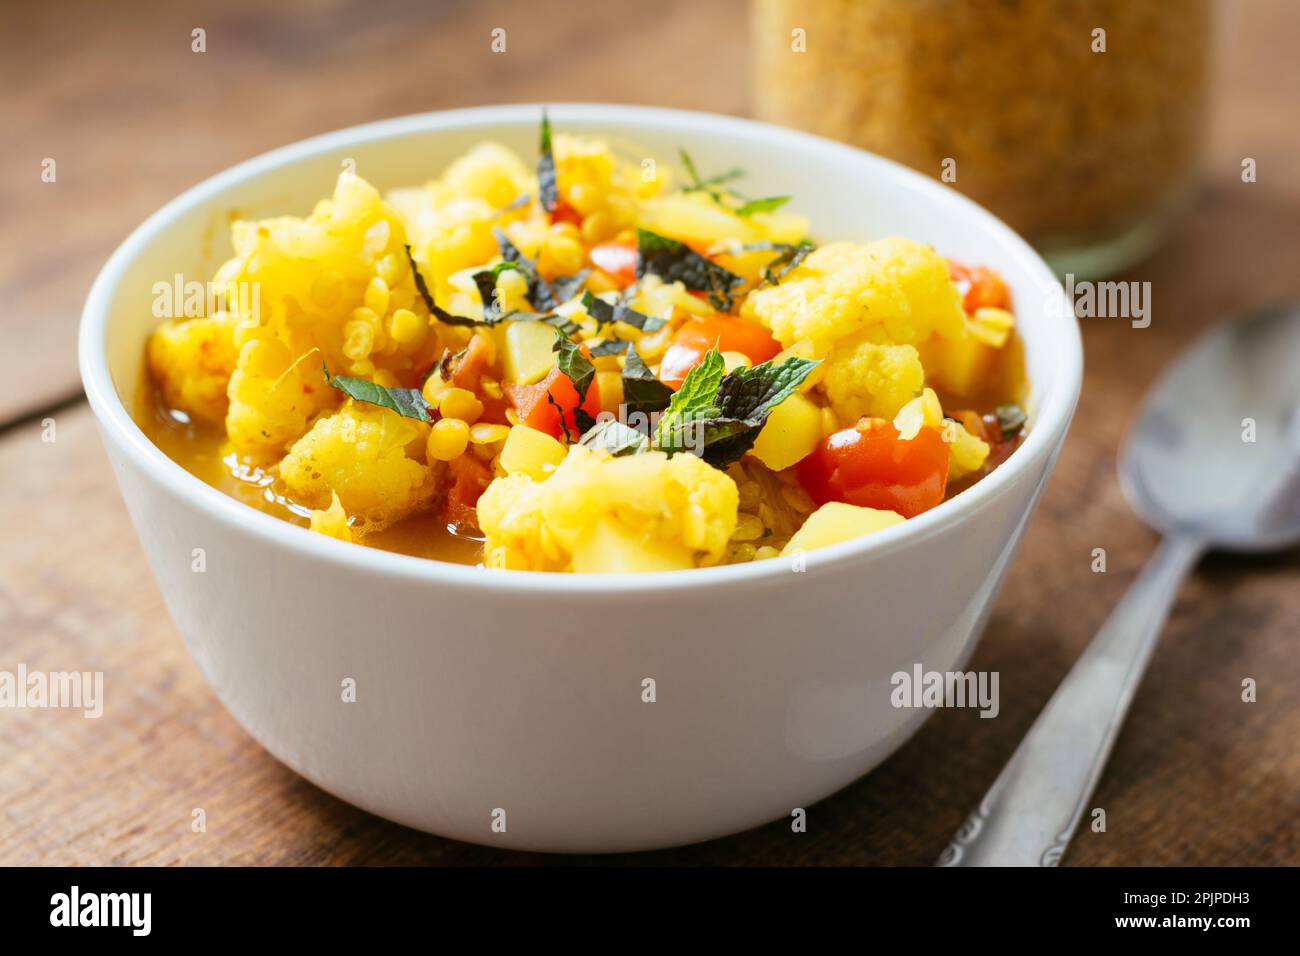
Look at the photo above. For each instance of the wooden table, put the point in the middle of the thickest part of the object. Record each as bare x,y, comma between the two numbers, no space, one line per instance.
132,116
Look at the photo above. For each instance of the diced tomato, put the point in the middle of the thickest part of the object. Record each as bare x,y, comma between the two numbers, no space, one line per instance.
974,423
471,365
726,333
979,287
563,212
618,259
494,410
469,477
536,411
871,466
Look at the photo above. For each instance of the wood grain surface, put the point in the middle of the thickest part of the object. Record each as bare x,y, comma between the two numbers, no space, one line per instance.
114,94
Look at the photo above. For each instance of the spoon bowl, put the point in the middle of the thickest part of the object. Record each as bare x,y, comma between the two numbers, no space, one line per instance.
1215,452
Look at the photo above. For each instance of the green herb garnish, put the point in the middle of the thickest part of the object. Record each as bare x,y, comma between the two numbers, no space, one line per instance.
407,402
564,424
787,262
539,292
642,391
675,261
748,207
693,402
706,185
605,314
519,202
567,327
420,285
492,314
767,204
719,416
610,346
486,281
580,371
547,189
565,288
614,437
788,256
1011,418
747,396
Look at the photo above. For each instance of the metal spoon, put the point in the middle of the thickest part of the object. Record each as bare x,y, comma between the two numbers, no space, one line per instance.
1190,468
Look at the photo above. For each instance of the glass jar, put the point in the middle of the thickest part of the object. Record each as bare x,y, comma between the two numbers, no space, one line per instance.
1078,123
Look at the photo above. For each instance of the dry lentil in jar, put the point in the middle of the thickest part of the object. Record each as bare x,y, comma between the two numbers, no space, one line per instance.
563,367
1083,141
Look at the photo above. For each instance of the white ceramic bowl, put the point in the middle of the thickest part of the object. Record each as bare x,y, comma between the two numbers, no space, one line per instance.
482,691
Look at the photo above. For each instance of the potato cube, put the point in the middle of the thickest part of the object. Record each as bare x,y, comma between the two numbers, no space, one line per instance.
835,521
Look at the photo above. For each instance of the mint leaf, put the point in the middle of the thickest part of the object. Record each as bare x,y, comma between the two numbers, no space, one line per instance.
567,327
564,423
486,281
642,391
604,314
746,398
719,416
788,256
706,185
407,402
692,403
565,288
539,292
574,364
1011,418
614,437
699,184
519,202
751,393
784,262
761,205
547,189
420,285
610,346
675,261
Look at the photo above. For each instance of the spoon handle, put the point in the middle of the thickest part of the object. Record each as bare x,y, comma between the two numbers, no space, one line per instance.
1028,816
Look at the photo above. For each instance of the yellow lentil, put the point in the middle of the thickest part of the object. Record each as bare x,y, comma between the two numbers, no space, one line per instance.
448,439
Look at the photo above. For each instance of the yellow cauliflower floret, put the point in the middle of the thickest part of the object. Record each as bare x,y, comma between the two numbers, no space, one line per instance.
192,360
332,521
896,289
324,261
966,452
453,236
272,396
644,512
320,279
491,172
864,378
365,455
584,171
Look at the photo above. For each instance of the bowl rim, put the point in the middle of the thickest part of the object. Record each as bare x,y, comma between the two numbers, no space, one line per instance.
1051,418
